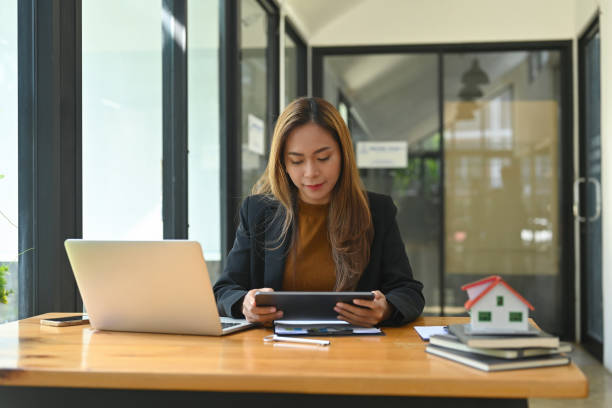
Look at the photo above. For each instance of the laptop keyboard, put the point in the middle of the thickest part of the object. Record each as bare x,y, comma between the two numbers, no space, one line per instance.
227,325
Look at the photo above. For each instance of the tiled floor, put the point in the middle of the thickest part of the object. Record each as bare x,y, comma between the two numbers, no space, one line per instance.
600,385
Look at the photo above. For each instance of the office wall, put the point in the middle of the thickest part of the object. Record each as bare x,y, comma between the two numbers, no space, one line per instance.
447,21
584,12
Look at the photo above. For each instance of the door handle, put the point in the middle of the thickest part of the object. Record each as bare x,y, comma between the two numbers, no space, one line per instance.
597,185
576,206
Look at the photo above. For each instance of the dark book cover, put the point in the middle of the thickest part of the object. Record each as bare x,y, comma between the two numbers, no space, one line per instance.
489,363
452,342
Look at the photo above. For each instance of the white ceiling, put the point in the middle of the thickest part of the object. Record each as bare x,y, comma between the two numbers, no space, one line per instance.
314,15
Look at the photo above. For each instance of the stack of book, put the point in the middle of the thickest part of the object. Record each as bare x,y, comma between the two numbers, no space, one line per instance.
496,352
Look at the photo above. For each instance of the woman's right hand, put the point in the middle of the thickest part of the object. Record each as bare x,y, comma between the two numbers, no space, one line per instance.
254,314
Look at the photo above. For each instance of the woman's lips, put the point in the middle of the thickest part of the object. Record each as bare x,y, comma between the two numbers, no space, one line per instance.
314,186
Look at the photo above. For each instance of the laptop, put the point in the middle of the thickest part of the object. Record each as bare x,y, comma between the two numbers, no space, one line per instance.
147,286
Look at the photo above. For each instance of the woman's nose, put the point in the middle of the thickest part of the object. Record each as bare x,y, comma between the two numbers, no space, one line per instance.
311,169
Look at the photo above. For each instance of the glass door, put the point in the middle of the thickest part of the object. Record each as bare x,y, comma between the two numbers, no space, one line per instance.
501,151
588,187
480,187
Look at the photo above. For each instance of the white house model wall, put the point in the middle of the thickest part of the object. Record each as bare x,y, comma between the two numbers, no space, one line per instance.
488,315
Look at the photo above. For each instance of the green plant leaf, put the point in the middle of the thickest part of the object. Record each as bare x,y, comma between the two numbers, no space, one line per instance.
3,292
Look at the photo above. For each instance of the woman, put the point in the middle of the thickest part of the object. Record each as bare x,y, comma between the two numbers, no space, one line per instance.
310,226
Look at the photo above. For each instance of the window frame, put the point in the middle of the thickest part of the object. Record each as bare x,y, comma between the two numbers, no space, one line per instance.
50,191
174,127
301,54
592,345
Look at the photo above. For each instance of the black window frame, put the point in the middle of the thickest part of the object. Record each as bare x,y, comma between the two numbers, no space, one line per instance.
49,133
174,125
301,57
230,104
591,344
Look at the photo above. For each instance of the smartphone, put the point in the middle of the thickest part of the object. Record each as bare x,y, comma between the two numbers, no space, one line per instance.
66,321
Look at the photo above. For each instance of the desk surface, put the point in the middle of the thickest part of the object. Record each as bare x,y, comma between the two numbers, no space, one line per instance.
395,364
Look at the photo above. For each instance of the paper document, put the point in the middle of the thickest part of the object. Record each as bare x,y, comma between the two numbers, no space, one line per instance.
427,331
321,328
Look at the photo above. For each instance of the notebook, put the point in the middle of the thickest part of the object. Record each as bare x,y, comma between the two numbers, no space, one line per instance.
535,338
147,286
489,363
451,342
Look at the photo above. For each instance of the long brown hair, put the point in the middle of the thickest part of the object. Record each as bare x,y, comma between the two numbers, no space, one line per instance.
350,229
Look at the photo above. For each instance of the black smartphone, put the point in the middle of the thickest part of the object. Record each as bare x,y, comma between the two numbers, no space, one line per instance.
65,321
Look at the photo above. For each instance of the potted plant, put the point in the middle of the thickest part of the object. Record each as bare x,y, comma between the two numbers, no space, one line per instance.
4,293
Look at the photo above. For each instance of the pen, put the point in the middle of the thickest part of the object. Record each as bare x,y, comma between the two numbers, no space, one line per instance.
274,337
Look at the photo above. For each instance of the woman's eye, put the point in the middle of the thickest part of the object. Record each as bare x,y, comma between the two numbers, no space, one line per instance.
323,158
296,162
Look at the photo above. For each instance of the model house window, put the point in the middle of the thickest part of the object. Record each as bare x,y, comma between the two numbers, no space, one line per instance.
500,301
484,316
516,316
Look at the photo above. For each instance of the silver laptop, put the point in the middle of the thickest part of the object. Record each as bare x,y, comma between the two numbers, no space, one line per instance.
147,286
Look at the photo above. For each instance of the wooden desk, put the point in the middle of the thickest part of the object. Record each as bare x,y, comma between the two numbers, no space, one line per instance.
241,367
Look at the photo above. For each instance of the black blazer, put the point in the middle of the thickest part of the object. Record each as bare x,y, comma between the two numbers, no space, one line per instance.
257,261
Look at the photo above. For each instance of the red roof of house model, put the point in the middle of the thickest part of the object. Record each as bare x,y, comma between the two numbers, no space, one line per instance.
492,281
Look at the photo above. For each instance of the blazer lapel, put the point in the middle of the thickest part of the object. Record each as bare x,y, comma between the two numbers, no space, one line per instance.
275,257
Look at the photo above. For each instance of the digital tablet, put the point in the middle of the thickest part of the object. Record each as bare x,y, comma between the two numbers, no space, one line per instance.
308,305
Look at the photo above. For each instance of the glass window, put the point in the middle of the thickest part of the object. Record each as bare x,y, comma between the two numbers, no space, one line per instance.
516,316
343,111
502,188
484,316
291,70
8,159
122,119
500,301
394,99
203,129
253,68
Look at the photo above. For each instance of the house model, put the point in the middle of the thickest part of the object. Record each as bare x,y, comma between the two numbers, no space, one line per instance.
495,307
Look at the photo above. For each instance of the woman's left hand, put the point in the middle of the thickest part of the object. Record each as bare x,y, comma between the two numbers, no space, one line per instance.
369,314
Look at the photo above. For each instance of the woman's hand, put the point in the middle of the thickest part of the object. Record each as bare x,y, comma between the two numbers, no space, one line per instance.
369,314
254,314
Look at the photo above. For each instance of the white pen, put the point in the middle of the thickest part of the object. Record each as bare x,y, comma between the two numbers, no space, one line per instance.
274,337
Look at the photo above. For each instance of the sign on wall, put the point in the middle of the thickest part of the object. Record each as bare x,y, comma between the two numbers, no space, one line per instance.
382,155
257,140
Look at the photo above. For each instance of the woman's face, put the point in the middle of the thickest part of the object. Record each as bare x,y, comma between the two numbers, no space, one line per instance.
312,159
